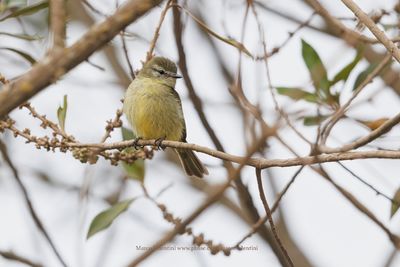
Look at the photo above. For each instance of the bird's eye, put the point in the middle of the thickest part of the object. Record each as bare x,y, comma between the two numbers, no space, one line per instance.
160,71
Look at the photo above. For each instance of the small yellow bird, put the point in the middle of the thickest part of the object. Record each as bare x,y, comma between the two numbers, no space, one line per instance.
154,109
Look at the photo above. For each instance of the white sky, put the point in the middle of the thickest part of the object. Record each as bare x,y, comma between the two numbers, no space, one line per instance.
329,230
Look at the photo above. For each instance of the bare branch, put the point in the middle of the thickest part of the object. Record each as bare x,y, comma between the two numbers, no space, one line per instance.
157,31
9,255
28,202
269,216
209,201
384,128
342,110
380,35
58,22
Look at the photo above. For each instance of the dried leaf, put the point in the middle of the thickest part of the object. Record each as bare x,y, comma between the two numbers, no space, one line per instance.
372,125
62,113
105,218
395,204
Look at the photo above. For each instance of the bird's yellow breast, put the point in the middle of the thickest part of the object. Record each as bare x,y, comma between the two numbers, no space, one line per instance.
153,110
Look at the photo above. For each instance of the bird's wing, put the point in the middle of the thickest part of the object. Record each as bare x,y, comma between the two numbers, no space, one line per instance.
178,99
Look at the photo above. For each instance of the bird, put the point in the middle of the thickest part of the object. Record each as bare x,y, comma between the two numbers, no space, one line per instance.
154,110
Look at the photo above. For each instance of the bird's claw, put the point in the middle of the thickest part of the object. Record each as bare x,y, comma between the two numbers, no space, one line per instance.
135,143
158,142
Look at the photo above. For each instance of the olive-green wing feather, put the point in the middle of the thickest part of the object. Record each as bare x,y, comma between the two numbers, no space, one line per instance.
178,99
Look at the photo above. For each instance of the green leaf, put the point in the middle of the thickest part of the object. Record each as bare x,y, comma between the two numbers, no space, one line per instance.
23,54
313,120
62,113
22,36
135,170
127,134
395,204
105,218
315,67
27,10
297,94
344,73
363,75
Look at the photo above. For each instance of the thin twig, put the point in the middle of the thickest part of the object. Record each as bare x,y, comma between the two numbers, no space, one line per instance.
93,9
341,111
262,220
381,130
278,48
128,61
29,204
379,193
269,216
157,31
209,201
111,125
371,25
393,238
268,75
9,255
245,198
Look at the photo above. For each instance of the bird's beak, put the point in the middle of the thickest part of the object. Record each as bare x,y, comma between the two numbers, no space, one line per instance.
174,75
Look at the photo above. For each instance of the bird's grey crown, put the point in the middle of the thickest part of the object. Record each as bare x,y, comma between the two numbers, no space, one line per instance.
163,63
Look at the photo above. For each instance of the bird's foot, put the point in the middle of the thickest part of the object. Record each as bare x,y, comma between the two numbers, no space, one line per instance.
135,143
158,142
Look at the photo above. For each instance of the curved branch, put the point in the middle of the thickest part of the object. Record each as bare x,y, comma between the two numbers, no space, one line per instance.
261,163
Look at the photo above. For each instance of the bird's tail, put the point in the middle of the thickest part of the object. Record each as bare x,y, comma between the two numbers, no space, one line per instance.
191,163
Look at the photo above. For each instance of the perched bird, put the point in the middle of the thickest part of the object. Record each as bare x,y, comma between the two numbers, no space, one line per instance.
154,109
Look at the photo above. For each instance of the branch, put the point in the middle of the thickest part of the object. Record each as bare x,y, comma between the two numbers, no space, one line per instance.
342,110
384,128
269,216
262,220
157,31
207,203
380,35
390,77
246,201
57,22
56,64
338,27
28,201
357,204
9,255
261,163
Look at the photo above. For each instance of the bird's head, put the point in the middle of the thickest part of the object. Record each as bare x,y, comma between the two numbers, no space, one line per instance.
161,69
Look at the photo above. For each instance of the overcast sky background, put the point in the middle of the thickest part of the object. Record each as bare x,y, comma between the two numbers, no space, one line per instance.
330,231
